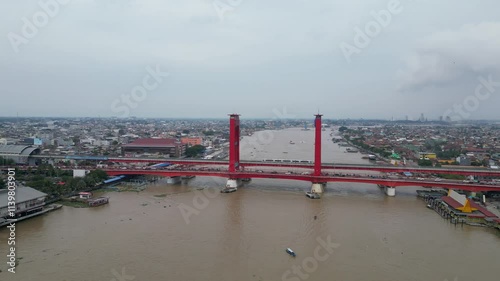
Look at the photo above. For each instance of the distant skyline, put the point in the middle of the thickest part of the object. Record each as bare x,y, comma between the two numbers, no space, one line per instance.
261,59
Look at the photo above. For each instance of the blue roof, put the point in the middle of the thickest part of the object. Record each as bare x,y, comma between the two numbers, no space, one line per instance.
161,165
114,179
76,157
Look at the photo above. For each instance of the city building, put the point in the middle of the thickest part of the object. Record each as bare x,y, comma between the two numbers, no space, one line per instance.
20,154
459,202
463,160
427,155
191,141
395,158
28,201
163,147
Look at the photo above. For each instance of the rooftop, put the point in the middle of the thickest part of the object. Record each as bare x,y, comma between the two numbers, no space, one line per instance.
23,194
17,149
150,142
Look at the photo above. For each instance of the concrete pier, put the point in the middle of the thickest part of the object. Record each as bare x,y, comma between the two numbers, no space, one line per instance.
233,183
318,188
390,191
174,180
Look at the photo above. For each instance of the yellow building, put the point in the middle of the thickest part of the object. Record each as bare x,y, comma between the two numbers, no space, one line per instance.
428,155
459,202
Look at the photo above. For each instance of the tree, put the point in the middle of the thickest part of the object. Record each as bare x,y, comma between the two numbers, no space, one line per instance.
98,175
7,162
2,184
195,150
342,129
425,162
208,133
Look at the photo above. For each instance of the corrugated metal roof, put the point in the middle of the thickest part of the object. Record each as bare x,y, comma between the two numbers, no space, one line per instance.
24,150
23,194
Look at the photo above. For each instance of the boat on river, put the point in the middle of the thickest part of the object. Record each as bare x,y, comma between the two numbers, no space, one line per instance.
290,252
313,195
228,189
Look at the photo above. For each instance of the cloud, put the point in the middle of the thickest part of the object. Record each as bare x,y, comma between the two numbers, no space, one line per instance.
448,56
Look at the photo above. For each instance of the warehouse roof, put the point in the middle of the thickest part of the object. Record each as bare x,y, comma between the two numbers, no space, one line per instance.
22,150
23,194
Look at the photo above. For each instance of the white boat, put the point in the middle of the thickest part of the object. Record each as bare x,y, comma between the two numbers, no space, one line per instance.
290,252
228,190
313,195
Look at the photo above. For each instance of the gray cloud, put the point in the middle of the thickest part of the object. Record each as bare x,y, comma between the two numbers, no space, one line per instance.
447,56
265,55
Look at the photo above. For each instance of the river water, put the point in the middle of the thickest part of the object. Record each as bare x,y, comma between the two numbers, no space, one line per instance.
177,232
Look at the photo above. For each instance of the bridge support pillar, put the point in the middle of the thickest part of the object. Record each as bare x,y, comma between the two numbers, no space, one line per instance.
233,183
390,191
318,187
317,145
234,142
174,180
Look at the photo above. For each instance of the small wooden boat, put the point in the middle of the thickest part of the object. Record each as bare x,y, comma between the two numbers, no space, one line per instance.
98,201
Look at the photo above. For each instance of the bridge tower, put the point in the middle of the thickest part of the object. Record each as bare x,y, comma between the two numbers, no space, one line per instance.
234,142
317,145
234,150
317,187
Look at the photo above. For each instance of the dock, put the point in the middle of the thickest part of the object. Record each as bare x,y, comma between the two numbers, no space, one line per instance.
46,209
448,210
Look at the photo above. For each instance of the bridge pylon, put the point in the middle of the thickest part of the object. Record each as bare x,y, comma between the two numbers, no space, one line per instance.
317,187
317,145
234,143
234,151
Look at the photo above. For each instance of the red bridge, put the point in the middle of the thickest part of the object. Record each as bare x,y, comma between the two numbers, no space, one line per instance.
236,170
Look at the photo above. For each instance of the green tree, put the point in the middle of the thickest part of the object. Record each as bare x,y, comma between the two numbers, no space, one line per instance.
195,150
98,175
2,184
208,133
7,162
342,129
425,162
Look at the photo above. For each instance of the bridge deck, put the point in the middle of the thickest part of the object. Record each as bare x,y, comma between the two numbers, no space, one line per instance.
309,178
325,166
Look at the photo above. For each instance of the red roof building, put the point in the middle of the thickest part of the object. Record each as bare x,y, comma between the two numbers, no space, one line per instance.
164,146
456,205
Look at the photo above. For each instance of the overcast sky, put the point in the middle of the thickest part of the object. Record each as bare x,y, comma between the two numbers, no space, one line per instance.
270,59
